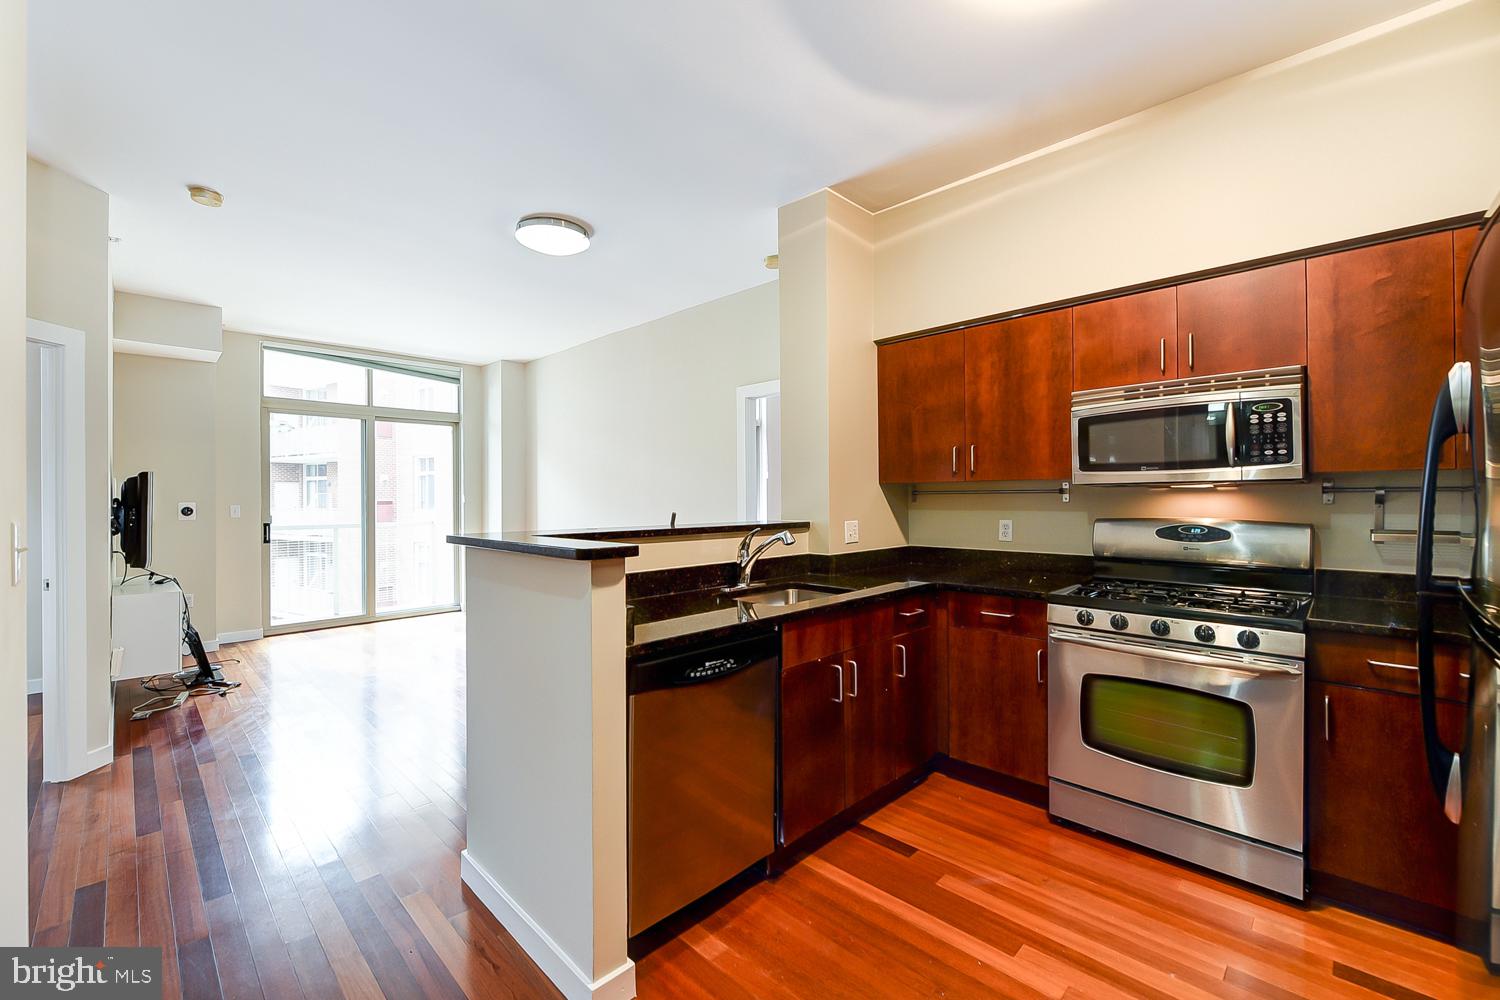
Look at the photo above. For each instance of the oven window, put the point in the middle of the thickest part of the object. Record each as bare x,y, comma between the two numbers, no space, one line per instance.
1165,438
1170,728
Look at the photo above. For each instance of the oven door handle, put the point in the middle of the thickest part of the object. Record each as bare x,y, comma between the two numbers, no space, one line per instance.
1259,666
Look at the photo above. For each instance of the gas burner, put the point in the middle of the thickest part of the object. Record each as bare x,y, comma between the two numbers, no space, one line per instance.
1195,597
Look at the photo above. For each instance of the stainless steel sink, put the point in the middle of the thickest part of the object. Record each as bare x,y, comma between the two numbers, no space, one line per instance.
782,594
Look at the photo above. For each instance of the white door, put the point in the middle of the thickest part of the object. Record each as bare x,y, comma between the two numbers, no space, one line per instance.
43,439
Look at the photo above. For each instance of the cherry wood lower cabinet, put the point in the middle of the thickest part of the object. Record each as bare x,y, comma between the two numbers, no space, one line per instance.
1373,818
854,721
812,745
997,669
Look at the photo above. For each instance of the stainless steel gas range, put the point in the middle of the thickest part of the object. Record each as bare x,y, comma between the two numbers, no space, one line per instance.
1175,694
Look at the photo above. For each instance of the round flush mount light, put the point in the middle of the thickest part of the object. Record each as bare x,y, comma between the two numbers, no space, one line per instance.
205,196
554,235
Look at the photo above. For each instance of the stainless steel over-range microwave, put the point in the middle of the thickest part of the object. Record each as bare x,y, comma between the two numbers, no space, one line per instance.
1239,427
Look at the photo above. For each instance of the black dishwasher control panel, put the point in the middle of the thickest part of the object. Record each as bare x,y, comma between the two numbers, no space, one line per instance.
702,664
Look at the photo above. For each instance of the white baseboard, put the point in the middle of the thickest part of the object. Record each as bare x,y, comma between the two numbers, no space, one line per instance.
33,685
244,635
536,942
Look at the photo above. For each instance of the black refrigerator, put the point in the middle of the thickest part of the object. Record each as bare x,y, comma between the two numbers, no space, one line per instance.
1464,777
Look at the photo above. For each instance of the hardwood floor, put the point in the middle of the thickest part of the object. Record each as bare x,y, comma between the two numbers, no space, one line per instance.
300,837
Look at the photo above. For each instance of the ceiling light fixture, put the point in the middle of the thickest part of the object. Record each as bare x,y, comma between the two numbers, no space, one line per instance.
205,196
554,235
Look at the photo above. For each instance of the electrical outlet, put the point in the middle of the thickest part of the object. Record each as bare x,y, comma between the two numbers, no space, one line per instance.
234,510
1007,533
851,532
189,599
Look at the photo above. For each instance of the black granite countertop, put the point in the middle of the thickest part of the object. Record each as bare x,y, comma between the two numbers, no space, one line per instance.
663,617
602,543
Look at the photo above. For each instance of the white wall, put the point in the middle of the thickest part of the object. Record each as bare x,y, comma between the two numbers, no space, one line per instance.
68,283
12,456
628,428
164,422
506,465
146,324
1350,140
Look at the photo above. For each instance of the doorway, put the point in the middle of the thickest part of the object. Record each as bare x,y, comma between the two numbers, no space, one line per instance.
56,570
758,449
360,488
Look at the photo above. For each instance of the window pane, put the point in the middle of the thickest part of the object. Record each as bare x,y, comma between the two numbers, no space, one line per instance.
317,518
414,392
413,515
1170,728
296,376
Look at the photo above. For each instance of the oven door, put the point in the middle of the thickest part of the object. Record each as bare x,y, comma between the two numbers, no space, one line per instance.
1213,736
1190,439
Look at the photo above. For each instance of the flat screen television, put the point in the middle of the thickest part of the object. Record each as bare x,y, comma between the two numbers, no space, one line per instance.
132,520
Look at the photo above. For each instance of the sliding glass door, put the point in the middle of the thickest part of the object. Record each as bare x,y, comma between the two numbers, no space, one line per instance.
360,489
315,470
413,516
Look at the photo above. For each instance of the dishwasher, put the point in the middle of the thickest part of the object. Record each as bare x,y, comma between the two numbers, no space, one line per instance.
702,772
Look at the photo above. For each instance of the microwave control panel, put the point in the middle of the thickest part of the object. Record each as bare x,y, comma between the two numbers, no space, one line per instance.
1266,436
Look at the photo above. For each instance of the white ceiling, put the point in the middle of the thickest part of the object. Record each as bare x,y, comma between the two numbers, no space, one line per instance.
375,156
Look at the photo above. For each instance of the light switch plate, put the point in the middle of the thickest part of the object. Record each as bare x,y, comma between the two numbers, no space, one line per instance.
851,532
234,510
1007,531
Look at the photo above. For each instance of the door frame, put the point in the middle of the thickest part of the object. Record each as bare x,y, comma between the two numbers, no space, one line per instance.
65,753
368,416
744,436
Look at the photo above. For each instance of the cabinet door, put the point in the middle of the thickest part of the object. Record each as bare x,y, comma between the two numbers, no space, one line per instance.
921,409
1373,817
868,724
1017,377
1245,321
1379,343
997,708
916,681
1126,340
812,745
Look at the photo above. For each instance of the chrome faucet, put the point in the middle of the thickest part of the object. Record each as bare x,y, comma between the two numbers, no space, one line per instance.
746,558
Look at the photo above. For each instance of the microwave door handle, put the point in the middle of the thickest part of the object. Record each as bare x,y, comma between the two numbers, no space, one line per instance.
1231,432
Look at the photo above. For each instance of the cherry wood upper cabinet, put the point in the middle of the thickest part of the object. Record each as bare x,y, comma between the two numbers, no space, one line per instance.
1242,322
1379,343
1018,376
921,397
1465,342
1126,340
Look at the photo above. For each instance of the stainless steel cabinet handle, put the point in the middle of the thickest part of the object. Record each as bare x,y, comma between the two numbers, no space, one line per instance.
997,614
840,669
1327,714
854,691
1190,352
903,660
1393,666
1039,666
1164,355
955,460
1463,676
912,614
971,458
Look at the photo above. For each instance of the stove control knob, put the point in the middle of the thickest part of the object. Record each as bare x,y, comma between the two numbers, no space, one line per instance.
1119,622
1085,618
1160,627
1204,633
1248,639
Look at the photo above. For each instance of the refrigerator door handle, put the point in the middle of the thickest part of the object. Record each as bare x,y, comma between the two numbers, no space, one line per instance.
1450,417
